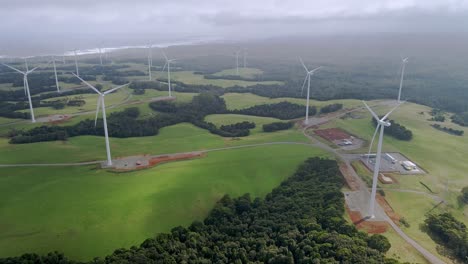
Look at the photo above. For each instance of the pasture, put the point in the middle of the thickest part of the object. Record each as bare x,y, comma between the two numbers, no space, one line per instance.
85,212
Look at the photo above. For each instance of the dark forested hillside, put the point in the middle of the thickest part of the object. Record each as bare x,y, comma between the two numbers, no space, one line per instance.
282,110
301,221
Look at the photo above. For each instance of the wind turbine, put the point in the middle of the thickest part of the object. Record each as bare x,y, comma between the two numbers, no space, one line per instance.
403,62
237,62
307,79
55,72
381,123
150,60
76,63
168,63
26,86
100,55
245,58
101,103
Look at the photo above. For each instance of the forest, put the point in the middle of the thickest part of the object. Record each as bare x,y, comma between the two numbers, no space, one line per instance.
276,126
396,130
125,123
448,130
331,108
300,221
281,110
447,231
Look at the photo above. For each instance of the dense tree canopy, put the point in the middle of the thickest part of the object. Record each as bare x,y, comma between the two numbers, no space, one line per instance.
449,232
281,110
276,126
396,130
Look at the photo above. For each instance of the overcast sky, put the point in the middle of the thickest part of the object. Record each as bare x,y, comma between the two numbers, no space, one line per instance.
81,23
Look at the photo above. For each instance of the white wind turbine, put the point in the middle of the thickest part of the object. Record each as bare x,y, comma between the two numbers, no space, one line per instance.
168,64
100,55
26,86
307,79
55,73
150,60
245,58
237,62
403,62
381,123
101,102
76,63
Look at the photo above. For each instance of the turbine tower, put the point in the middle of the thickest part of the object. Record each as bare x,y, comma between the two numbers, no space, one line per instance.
237,62
168,64
245,58
381,124
26,87
150,60
55,73
403,62
76,64
307,79
101,103
100,55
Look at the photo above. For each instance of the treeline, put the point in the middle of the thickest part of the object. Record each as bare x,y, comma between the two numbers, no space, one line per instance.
8,110
461,119
396,130
126,123
281,110
450,233
121,124
238,127
176,86
331,108
276,126
301,221
448,130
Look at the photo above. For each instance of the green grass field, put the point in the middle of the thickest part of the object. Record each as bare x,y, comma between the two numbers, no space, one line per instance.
245,100
178,138
85,212
243,72
189,77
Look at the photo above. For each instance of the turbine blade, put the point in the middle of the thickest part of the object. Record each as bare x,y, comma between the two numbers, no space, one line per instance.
303,84
165,64
393,109
13,68
85,82
28,72
97,109
316,69
372,112
164,54
115,89
372,141
302,62
24,84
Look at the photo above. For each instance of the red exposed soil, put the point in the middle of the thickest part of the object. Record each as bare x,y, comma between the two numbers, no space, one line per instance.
350,180
58,121
388,209
157,160
371,227
332,134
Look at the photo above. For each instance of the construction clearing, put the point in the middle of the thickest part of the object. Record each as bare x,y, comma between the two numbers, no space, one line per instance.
340,138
